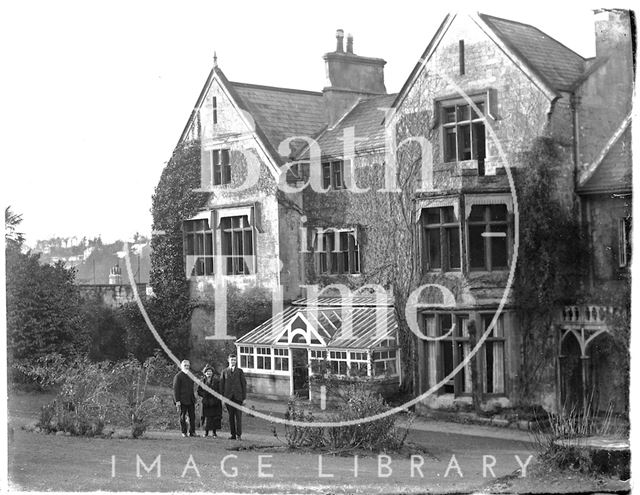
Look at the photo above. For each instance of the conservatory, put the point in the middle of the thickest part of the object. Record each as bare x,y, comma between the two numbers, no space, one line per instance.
351,341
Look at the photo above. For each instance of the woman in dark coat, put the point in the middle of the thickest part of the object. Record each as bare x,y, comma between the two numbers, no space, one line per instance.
211,405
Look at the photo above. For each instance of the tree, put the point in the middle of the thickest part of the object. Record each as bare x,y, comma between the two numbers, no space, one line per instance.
43,308
105,331
11,222
175,198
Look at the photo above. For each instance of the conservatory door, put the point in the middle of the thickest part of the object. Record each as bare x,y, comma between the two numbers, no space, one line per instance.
300,372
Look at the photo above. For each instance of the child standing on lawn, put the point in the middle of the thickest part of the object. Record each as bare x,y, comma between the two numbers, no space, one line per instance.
211,405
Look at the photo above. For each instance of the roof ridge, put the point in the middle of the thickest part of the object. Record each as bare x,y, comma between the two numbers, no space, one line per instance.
532,27
358,102
379,97
270,149
345,114
195,108
615,137
275,88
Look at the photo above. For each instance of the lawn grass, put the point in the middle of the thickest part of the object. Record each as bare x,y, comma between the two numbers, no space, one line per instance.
258,464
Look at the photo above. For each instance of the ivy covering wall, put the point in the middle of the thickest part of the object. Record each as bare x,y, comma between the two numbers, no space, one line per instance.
551,260
176,197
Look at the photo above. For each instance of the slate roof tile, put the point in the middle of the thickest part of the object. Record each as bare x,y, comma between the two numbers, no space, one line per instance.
557,65
283,113
614,173
366,117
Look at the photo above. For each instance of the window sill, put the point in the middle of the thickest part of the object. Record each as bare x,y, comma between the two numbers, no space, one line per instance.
196,278
238,275
255,371
339,274
480,272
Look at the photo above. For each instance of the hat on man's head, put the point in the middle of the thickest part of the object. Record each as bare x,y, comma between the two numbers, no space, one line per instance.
206,368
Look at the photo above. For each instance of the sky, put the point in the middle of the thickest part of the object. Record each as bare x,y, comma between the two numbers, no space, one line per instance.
94,94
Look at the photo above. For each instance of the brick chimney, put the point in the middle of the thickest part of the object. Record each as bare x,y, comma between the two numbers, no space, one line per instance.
613,30
349,77
614,42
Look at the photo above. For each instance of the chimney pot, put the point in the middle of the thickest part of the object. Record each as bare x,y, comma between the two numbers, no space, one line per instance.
349,43
339,38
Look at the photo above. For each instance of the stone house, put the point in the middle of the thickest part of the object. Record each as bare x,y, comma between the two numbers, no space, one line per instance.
527,85
299,181
588,370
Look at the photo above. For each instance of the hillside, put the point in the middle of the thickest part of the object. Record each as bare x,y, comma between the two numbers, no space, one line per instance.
93,260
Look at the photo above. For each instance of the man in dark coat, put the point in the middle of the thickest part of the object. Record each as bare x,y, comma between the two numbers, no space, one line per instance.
233,386
185,399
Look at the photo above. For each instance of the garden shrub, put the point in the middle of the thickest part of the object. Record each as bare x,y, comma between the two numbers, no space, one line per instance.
134,404
105,331
82,404
378,435
95,394
301,436
47,415
561,442
42,373
381,435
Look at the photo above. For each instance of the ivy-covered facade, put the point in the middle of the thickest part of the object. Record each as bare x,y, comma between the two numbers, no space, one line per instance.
416,193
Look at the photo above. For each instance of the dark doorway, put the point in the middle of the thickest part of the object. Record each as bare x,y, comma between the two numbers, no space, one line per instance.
571,374
300,368
608,376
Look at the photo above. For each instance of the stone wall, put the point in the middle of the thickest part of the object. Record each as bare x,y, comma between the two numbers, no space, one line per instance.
520,107
269,386
254,184
602,213
111,295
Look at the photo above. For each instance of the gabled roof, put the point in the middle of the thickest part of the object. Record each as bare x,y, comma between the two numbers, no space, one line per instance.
367,119
278,113
329,323
557,65
282,113
612,171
